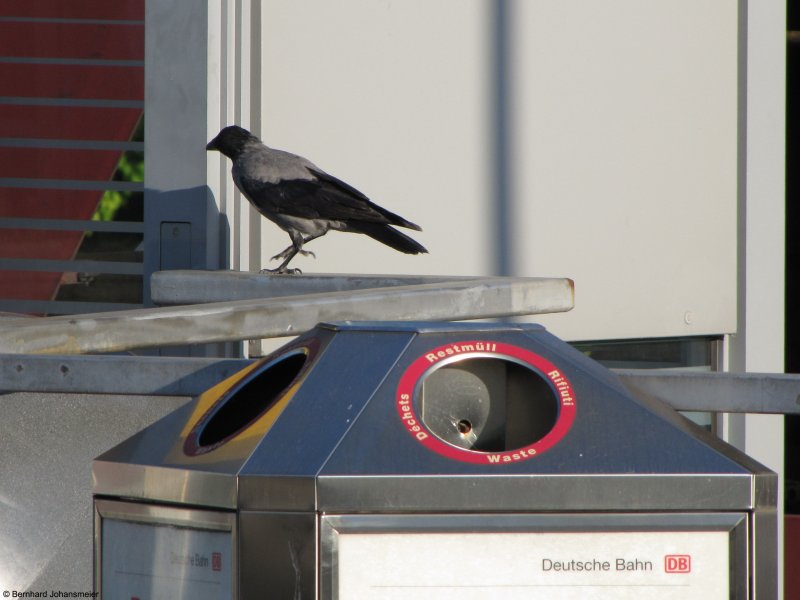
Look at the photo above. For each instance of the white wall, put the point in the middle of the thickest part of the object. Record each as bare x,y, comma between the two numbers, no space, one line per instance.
626,123
626,162
391,97
623,144
758,344
233,87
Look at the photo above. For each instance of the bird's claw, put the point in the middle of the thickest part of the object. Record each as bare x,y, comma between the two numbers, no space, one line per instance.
284,271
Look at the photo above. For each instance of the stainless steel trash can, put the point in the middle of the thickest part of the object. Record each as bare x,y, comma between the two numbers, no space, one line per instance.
420,460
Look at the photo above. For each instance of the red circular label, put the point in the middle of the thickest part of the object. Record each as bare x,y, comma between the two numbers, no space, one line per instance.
482,348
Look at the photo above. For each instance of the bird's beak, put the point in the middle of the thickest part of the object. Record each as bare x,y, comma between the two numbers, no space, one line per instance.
212,145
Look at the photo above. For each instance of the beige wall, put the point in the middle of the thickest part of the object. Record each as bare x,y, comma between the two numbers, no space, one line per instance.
627,162
623,139
391,97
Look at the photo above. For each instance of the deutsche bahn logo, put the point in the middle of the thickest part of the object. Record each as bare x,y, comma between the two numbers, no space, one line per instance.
678,563
216,561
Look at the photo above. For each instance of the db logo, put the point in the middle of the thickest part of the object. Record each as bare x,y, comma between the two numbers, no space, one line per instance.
678,563
216,561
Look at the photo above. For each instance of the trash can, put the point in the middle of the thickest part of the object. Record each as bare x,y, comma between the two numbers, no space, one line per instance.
430,460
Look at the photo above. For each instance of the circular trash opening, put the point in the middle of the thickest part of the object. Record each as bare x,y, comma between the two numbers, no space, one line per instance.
487,404
246,402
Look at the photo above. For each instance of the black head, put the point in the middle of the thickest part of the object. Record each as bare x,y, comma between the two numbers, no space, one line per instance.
231,141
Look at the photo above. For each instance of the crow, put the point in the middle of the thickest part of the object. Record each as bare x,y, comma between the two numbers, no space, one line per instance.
304,200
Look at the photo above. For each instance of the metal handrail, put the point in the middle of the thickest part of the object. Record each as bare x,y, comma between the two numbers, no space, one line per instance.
766,393
477,298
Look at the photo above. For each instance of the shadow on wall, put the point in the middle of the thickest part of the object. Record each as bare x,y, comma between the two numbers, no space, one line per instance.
183,230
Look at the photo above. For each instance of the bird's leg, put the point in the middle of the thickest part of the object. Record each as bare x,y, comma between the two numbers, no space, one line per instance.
293,251
289,253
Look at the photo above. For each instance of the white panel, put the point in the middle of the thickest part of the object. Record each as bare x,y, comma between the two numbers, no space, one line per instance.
231,92
162,561
231,87
758,345
626,162
242,111
691,565
391,98
763,272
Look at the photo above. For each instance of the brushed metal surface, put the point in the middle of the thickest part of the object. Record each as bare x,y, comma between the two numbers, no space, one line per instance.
340,446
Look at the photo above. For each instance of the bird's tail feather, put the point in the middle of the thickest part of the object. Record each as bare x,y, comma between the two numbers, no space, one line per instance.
389,236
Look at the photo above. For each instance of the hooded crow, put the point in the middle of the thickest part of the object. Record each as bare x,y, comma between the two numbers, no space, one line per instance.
304,200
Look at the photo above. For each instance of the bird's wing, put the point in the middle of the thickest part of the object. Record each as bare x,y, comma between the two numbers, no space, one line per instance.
321,196
352,199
